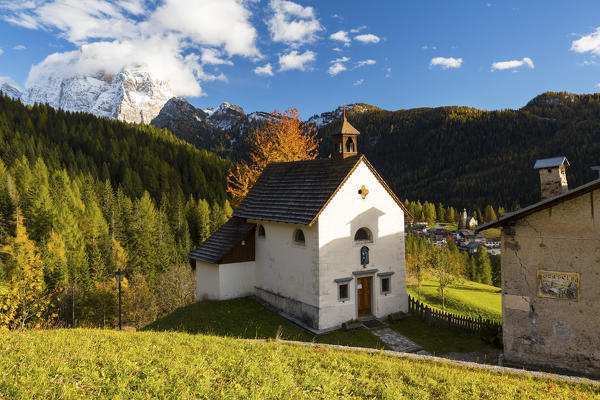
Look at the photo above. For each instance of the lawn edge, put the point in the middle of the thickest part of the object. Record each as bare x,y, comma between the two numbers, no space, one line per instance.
469,364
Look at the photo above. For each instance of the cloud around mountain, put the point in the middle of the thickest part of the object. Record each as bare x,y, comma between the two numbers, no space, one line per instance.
165,38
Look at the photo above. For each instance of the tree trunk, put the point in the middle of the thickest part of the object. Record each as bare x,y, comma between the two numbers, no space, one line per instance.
443,302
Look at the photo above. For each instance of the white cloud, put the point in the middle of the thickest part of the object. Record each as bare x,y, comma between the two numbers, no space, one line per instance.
338,65
119,33
360,28
292,23
501,65
212,56
337,49
367,38
295,60
597,84
358,82
425,47
588,43
388,73
265,70
19,47
1,52
446,62
341,36
364,62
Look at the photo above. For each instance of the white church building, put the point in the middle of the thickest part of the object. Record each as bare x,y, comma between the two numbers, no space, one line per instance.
320,240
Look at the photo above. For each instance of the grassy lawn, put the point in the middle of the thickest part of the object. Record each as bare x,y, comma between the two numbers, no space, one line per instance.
247,318
101,364
466,298
492,233
451,227
439,340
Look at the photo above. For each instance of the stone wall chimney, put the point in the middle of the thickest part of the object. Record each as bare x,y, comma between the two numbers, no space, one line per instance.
553,176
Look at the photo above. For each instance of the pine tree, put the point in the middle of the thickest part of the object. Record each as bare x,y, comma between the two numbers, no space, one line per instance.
484,266
490,214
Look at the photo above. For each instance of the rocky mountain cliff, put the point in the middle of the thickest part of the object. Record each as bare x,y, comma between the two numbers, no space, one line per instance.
7,88
132,95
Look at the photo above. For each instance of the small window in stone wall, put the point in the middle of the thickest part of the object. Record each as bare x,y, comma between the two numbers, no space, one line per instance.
385,285
343,292
261,231
299,237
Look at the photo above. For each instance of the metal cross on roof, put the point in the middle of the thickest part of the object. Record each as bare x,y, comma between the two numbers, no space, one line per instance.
344,107
363,191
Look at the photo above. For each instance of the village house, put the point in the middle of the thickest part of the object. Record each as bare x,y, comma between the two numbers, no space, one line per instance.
320,240
551,275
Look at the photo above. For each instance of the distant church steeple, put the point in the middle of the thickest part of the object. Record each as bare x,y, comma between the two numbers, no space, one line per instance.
345,142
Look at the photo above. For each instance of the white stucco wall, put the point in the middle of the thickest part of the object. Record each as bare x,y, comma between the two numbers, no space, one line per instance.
236,280
285,269
207,281
339,255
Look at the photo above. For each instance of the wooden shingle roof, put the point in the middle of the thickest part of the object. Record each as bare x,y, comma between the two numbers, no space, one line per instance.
297,192
348,129
213,249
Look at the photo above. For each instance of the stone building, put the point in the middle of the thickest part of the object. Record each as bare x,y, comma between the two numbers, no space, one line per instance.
551,276
321,240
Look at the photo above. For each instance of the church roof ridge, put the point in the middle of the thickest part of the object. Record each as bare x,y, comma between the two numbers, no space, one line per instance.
297,192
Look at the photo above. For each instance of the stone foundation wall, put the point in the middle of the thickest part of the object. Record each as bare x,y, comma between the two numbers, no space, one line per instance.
304,312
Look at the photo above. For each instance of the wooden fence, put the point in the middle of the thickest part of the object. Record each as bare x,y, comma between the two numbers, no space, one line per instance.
434,317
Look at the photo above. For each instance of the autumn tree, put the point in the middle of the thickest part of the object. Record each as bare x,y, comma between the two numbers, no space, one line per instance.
24,301
176,288
445,267
283,138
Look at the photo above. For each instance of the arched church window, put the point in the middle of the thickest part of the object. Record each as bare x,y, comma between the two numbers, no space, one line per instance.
349,145
261,231
363,235
299,237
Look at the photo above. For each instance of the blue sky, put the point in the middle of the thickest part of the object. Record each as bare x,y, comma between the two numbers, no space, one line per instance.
392,54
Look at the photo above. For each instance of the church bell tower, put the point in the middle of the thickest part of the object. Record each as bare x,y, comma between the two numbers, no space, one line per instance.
345,142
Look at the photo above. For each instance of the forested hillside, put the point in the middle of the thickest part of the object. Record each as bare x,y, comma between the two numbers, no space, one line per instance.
470,158
81,197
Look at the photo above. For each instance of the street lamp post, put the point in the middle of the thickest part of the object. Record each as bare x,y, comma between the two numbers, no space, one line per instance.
119,276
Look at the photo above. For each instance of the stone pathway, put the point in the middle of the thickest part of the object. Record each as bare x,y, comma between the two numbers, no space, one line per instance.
396,341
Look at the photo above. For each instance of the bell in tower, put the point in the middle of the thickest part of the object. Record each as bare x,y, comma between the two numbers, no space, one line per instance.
345,142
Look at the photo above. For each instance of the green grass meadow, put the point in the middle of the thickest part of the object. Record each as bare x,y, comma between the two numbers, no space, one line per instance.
466,298
247,318
102,364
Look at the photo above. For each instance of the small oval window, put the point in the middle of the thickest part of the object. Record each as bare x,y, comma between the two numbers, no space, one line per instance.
261,231
299,237
363,235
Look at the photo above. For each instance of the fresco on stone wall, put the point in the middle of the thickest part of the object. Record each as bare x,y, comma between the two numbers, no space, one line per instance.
558,285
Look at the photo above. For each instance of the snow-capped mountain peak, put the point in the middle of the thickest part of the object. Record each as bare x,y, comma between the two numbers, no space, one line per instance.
9,88
131,95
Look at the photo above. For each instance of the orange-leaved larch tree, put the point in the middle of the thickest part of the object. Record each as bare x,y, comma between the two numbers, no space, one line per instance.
283,138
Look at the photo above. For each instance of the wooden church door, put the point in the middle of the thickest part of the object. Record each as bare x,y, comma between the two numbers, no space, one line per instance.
363,294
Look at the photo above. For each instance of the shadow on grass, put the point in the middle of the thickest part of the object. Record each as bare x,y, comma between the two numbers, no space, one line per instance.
247,318
437,340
